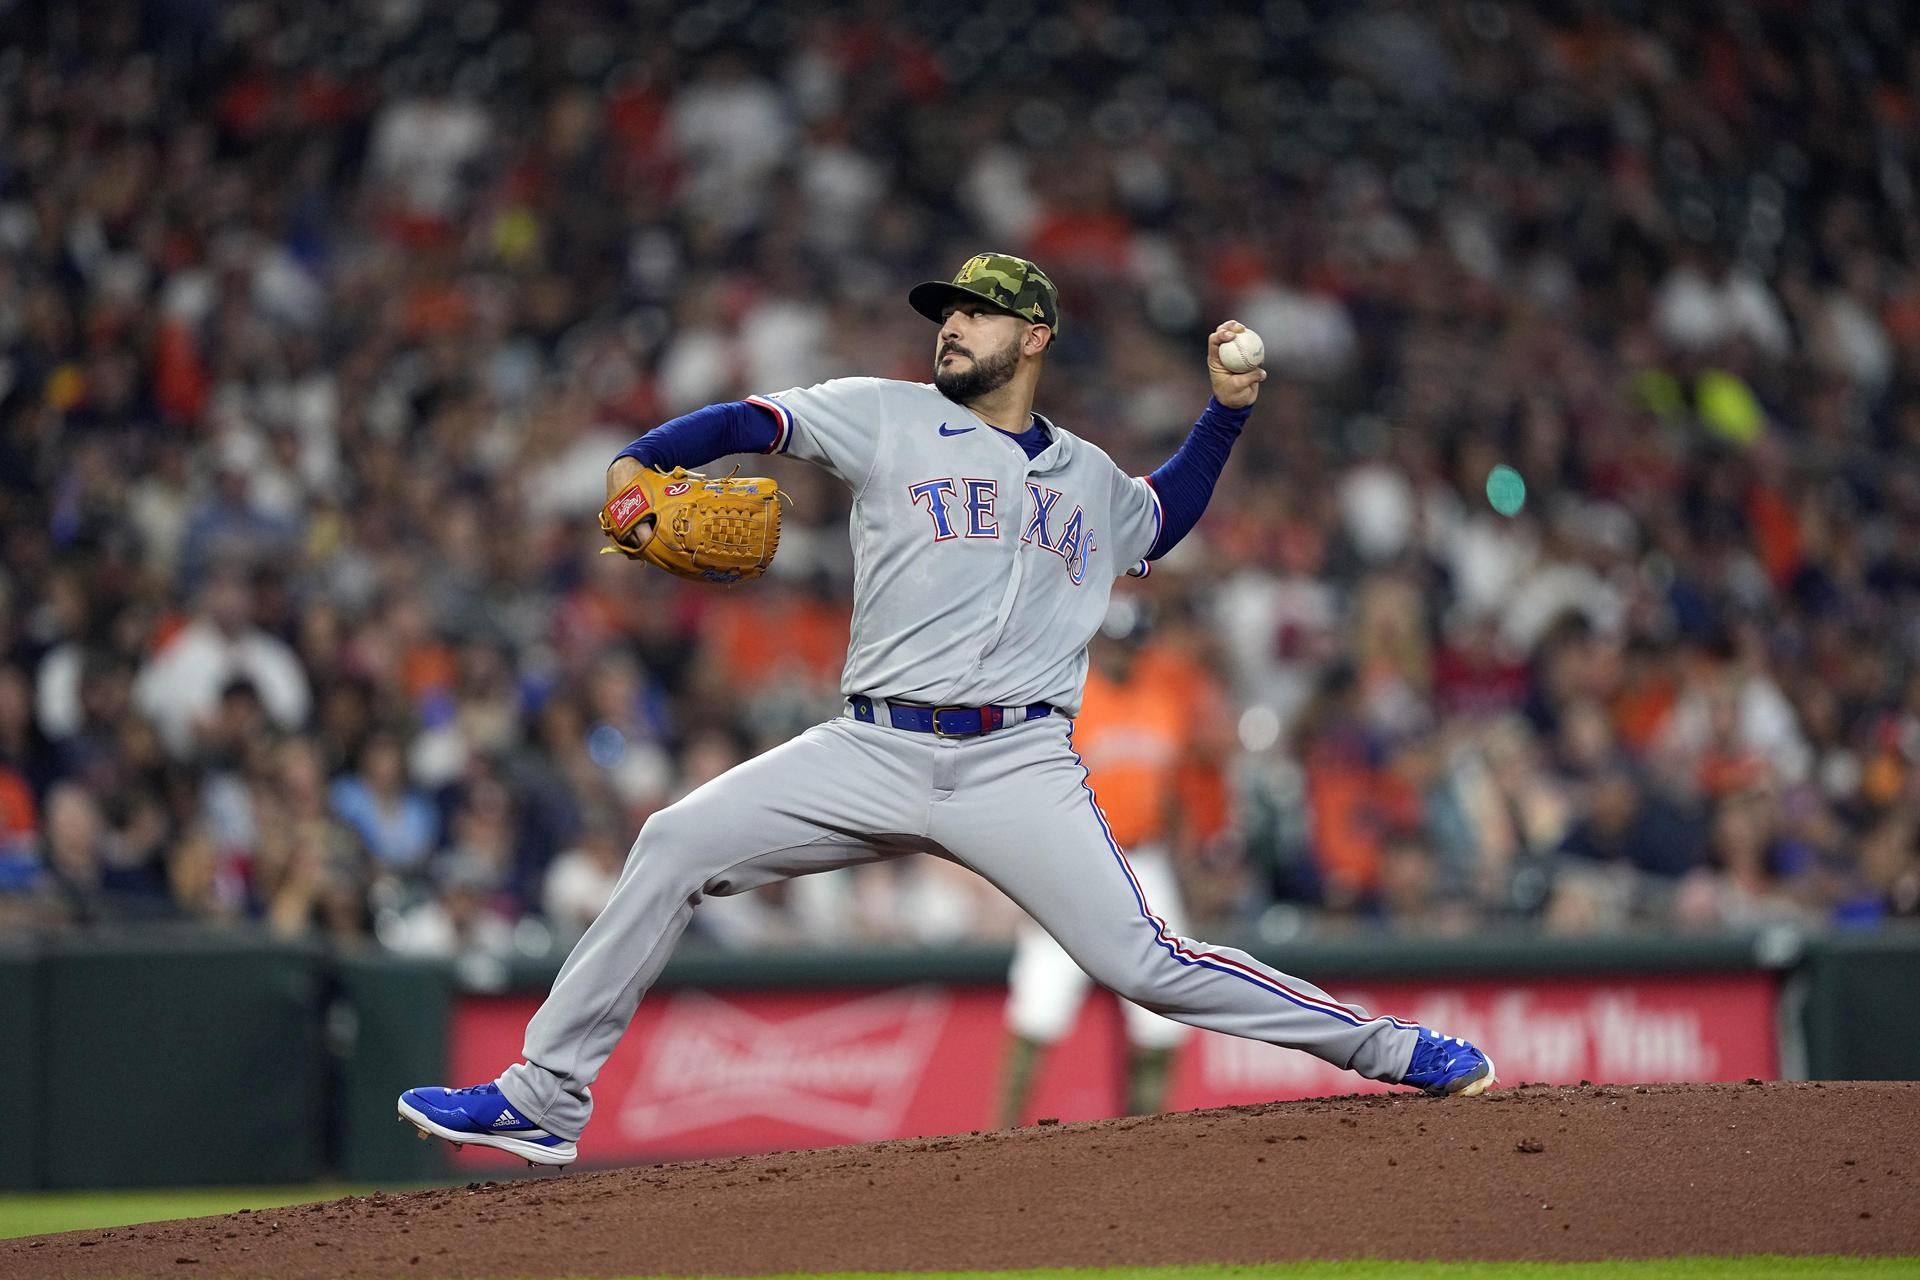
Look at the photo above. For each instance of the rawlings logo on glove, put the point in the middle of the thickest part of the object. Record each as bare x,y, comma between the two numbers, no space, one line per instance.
711,530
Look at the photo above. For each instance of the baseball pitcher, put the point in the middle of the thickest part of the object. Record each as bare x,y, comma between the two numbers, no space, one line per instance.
986,542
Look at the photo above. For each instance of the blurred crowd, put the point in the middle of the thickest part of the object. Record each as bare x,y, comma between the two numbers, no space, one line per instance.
319,324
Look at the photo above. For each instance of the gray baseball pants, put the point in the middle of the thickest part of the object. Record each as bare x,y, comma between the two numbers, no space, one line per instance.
1013,805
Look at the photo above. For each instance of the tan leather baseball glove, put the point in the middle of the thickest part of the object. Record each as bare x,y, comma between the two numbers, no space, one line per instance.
709,529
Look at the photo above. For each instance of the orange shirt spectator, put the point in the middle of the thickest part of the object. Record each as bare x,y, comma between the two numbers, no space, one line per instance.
756,637
1132,734
1205,797
19,818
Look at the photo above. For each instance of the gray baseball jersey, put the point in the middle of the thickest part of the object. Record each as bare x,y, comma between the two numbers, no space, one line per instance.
979,574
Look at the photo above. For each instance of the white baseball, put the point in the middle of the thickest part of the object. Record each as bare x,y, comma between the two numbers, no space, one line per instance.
1243,352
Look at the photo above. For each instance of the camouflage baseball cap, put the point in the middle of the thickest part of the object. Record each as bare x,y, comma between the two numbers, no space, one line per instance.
1000,280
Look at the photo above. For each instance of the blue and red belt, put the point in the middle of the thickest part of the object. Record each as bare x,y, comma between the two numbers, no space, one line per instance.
943,722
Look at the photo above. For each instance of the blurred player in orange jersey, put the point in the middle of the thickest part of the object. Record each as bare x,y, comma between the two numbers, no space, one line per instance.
1137,733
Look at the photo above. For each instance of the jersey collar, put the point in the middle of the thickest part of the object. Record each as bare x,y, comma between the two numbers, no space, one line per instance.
1059,451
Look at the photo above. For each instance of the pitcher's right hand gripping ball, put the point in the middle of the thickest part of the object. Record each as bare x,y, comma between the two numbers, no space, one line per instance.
1234,353
710,530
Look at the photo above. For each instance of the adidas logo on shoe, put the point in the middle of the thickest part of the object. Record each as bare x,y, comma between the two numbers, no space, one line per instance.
505,1118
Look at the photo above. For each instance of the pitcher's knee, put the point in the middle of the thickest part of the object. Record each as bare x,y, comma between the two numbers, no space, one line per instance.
1152,982
671,843
1160,997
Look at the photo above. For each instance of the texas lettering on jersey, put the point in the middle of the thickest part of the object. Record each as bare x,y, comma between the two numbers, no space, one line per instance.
957,597
964,507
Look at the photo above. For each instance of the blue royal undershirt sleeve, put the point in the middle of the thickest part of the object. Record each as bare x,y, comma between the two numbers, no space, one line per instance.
697,438
1185,481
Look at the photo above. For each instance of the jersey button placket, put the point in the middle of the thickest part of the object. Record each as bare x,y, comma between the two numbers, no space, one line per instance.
1015,571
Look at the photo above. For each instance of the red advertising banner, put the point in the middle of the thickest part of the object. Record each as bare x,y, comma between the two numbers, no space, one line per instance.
701,1075
1553,1030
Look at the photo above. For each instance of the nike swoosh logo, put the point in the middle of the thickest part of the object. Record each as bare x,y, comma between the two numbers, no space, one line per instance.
945,430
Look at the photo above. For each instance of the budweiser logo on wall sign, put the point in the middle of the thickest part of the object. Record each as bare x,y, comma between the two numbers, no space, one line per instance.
849,1070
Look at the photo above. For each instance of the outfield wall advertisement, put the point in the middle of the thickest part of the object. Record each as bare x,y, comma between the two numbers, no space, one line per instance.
745,1071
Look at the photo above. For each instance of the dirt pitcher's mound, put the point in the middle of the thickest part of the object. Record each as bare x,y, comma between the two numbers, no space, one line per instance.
1529,1172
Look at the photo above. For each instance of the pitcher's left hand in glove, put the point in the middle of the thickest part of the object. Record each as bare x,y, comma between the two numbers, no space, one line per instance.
709,529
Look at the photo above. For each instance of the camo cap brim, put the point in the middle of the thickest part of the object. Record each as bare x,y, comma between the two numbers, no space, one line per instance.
1002,281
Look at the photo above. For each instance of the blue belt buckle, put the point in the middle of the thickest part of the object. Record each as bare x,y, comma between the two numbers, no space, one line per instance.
938,732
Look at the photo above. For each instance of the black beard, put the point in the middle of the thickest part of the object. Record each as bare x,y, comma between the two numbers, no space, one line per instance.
984,378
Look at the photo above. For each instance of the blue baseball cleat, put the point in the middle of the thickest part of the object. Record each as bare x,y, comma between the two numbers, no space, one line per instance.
480,1115
1447,1066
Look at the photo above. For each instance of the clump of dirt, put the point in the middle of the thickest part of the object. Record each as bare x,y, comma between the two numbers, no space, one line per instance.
1530,1172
